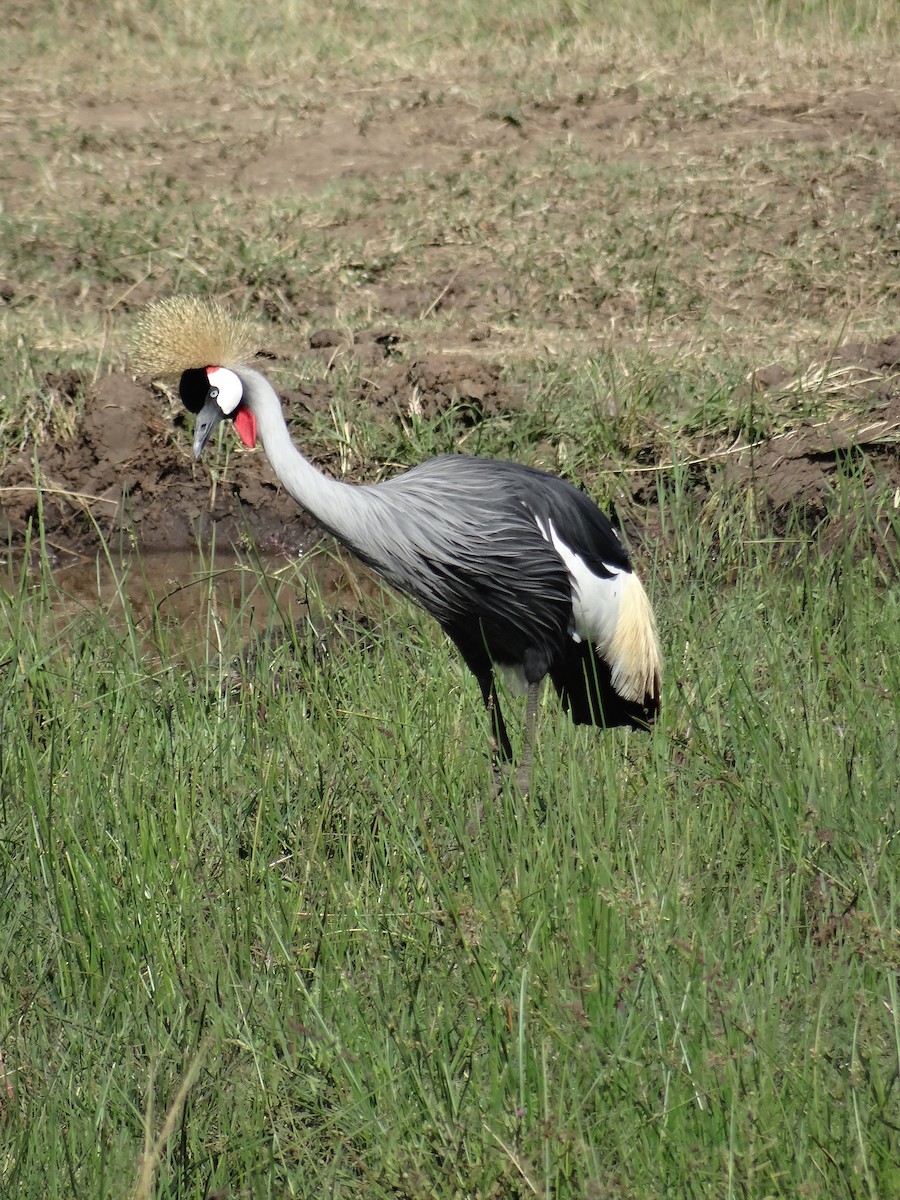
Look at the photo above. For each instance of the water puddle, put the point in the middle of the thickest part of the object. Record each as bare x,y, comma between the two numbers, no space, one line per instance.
194,597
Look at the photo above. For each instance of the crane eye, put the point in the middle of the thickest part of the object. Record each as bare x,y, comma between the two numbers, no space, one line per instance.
212,394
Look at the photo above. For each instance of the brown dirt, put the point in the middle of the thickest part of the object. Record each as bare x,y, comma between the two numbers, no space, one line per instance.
124,474
256,142
122,469
793,474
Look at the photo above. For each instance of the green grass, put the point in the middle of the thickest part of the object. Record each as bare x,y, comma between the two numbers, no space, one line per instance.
672,971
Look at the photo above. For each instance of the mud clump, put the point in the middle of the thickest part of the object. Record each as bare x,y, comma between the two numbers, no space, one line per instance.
123,474
793,474
431,384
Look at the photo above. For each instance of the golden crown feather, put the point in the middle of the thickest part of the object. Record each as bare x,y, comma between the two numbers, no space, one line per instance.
183,332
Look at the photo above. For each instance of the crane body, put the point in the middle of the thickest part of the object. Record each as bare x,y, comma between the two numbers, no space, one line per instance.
523,572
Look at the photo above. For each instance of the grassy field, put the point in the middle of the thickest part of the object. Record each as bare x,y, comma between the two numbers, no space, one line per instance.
266,930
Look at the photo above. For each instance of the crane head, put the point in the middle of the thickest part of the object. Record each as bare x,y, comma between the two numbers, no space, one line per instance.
182,336
214,393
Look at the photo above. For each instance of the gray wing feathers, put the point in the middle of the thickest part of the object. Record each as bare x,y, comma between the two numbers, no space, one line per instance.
463,536
463,541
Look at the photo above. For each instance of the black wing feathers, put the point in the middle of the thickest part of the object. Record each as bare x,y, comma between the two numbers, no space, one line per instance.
576,519
584,683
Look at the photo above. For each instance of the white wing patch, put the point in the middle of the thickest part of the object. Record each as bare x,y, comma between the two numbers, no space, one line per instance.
616,616
596,602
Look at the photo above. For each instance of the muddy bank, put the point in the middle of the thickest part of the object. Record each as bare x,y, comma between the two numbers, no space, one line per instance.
126,475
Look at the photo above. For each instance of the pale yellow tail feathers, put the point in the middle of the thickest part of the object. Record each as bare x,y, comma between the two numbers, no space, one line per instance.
634,651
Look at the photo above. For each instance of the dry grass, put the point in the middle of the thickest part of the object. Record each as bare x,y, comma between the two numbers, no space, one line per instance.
581,189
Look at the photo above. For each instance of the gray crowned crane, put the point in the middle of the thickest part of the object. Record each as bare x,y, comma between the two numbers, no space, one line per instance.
521,570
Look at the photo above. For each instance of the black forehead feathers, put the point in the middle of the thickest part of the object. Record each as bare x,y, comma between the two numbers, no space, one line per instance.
193,388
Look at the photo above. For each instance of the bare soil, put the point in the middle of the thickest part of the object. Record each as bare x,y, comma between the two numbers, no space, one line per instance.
124,475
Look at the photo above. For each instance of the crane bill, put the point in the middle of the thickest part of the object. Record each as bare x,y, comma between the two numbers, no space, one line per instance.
245,424
209,416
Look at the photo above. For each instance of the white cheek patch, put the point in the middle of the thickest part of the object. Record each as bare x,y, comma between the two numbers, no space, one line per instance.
229,387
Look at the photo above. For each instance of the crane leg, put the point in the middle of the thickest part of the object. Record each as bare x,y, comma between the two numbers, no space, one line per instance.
524,773
503,754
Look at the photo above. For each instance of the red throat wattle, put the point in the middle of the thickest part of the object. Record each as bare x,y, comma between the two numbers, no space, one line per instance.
245,424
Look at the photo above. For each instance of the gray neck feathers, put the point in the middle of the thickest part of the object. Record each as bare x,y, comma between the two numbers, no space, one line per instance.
337,506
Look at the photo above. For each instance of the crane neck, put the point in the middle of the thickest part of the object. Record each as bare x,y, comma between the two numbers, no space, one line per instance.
332,503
